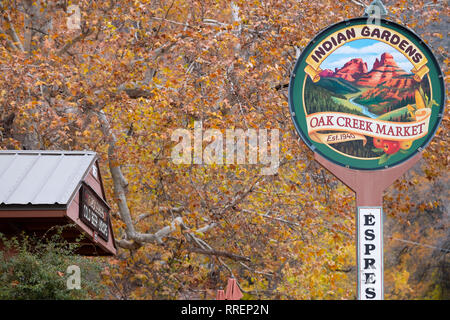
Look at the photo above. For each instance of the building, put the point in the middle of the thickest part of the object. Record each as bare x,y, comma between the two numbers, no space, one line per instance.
42,189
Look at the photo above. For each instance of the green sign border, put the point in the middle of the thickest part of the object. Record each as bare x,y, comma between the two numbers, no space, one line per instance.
298,115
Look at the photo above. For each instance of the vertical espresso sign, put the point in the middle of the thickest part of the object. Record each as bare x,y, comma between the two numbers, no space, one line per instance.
370,252
367,98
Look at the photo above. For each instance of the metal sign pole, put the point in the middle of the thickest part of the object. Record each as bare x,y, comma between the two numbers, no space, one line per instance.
369,187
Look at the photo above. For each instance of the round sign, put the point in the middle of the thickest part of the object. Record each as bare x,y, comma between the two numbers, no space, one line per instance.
367,96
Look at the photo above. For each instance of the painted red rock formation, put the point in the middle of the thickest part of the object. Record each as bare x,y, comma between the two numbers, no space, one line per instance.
395,89
383,70
326,73
388,83
352,70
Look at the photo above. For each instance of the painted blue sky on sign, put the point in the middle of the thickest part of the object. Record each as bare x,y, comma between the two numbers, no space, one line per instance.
366,49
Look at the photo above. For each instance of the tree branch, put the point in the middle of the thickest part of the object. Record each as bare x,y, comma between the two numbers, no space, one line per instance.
12,32
119,181
359,3
9,44
219,253
206,228
85,33
161,210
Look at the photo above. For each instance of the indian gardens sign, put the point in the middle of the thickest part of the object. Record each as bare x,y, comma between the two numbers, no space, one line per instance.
367,99
366,96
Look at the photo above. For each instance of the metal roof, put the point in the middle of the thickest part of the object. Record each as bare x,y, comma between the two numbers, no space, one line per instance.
41,176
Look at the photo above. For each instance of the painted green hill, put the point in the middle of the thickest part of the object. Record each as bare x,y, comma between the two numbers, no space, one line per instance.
400,114
338,86
319,99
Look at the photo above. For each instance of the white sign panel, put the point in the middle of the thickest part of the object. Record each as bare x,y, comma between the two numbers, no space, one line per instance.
370,253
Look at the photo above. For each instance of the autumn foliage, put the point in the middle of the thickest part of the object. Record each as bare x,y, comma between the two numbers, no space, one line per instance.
137,70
